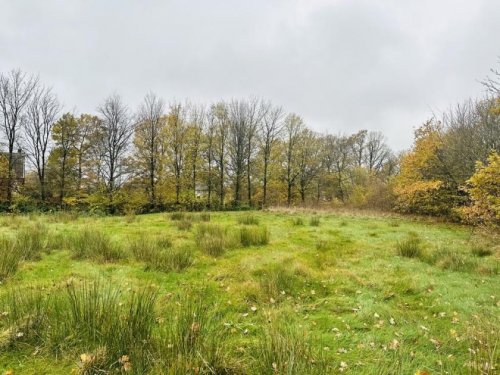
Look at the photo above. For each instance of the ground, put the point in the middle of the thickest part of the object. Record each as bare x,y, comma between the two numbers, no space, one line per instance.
333,289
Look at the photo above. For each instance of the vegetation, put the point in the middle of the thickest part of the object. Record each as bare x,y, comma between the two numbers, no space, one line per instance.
357,294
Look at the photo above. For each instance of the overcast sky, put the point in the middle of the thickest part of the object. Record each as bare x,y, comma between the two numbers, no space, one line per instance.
342,65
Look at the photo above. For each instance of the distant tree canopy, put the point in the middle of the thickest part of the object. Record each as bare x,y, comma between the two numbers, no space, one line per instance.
240,153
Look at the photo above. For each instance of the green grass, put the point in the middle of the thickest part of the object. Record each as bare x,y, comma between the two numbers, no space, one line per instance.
356,294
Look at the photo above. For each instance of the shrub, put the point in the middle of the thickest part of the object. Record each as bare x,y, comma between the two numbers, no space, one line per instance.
92,244
410,247
254,235
248,220
314,221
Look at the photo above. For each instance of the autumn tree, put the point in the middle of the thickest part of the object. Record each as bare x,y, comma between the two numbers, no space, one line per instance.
148,138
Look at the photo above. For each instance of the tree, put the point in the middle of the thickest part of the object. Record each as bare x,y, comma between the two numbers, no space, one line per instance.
176,144
484,190
238,131
292,129
270,129
16,90
64,134
116,130
195,133
148,139
88,138
40,117
376,151
308,161
221,116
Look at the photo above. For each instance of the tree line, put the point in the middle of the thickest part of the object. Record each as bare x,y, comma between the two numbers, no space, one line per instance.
230,154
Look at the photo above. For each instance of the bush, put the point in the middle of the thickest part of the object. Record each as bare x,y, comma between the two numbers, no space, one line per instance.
92,244
254,235
411,247
315,221
248,220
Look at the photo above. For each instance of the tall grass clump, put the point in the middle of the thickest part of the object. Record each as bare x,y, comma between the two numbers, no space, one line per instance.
10,257
194,337
254,236
277,280
97,321
171,259
298,221
32,239
314,221
481,250
410,247
248,220
451,259
283,349
212,239
95,245
184,224
178,215
205,216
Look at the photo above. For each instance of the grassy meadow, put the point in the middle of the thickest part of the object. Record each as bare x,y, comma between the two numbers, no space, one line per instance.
280,292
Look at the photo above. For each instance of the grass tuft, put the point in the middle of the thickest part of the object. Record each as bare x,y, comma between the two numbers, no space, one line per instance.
254,236
410,247
314,221
248,220
95,245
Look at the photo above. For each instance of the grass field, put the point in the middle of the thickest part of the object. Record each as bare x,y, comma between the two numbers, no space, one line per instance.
246,293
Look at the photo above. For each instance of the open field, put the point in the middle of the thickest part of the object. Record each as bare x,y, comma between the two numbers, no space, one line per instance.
246,293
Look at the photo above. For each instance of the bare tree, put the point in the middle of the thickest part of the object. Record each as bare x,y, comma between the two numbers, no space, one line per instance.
238,128
292,128
16,90
148,132
254,113
116,128
40,117
377,152
270,128
196,126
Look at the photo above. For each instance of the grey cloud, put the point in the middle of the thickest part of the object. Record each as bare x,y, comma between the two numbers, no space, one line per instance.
342,65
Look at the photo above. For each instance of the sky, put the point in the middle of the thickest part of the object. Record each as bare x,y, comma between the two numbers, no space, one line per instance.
343,65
